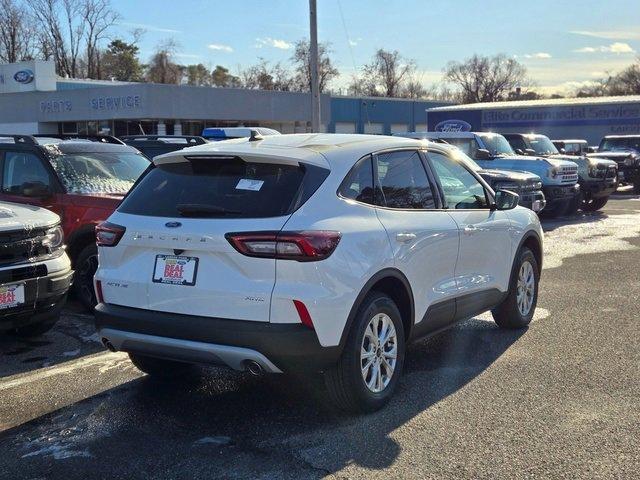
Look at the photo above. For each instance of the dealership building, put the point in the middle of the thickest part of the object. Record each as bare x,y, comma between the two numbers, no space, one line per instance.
34,100
575,118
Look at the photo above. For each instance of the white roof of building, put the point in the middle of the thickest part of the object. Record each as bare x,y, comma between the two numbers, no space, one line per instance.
556,102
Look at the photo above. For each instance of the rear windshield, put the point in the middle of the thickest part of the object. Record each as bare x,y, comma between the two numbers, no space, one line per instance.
223,187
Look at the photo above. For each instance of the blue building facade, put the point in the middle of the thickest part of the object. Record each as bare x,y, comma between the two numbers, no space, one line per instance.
378,115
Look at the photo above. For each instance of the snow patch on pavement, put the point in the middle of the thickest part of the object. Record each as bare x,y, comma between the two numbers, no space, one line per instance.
592,235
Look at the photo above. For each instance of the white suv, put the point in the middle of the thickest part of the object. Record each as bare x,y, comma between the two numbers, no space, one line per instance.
311,252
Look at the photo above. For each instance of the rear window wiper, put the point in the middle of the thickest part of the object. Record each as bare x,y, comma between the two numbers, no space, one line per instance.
200,210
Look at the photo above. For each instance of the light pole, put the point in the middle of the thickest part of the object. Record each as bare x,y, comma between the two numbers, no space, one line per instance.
313,64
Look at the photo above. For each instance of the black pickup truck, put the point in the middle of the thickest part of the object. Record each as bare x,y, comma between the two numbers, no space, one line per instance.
625,151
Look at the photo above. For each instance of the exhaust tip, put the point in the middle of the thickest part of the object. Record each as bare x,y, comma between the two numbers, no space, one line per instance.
254,368
108,345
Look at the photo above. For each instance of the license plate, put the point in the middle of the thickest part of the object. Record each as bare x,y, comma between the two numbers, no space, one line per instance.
11,295
175,270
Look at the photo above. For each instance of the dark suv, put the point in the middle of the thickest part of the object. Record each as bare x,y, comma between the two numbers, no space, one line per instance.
81,178
154,145
625,151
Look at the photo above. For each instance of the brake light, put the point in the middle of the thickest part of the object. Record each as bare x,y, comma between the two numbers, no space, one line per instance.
306,246
109,234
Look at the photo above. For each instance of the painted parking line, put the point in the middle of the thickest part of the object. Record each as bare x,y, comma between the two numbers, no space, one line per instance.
106,360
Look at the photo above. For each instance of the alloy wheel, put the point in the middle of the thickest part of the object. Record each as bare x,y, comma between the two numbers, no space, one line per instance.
378,352
526,288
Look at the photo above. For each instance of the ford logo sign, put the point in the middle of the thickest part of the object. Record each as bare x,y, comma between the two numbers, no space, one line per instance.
24,76
453,126
173,224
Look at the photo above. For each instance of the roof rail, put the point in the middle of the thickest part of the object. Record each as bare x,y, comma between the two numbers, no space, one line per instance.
76,136
189,138
26,139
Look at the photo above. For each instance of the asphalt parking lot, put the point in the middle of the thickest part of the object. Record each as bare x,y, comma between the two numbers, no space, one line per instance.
560,399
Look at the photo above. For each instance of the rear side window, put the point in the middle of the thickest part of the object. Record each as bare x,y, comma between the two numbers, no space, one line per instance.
223,187
358,185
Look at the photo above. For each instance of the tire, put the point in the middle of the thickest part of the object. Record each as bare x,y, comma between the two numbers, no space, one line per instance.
160,368
594,204
345,382
36,329
85,266
509,313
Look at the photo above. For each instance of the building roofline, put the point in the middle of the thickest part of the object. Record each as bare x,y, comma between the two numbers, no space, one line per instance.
540,103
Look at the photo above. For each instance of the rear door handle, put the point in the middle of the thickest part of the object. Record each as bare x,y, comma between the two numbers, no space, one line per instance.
405,237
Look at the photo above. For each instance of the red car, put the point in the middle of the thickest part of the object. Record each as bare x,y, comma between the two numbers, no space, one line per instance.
82,179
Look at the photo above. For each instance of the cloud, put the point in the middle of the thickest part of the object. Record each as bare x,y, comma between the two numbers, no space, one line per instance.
272,42
220,48
617,47
539,55
610,34
355,41
149,28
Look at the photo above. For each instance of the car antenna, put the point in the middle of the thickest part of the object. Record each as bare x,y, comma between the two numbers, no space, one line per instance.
255,136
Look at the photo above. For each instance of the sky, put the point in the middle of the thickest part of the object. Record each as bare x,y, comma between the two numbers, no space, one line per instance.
562,43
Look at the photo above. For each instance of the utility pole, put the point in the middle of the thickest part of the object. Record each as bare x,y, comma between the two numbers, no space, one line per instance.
313,60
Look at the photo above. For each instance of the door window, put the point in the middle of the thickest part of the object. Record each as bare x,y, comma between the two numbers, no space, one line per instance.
23,170
460,188
402,181
517,143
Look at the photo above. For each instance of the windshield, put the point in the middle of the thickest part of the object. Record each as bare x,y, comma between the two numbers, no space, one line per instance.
624,143
467,146
542,145
497,144
88,172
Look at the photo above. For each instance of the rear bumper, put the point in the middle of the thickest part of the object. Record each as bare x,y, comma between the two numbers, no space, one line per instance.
44,298
213,341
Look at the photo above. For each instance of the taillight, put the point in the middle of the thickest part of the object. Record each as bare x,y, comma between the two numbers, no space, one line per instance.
108,234
303,313
306,246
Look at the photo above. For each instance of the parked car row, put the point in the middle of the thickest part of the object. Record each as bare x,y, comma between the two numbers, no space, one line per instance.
570,181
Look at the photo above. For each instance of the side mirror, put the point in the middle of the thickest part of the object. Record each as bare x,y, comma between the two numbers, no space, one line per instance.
36,190
506,200
529,151
482,154
562,150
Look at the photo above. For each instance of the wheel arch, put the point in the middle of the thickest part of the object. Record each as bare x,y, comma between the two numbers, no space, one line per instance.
393,283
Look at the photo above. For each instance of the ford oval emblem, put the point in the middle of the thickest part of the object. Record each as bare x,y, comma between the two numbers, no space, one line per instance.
173,224
453,126
24,76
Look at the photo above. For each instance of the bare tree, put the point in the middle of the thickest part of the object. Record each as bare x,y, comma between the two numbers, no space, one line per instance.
162,68
486,79
16,32
301,60
389,70
265,76
627,82
97,17
60,32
